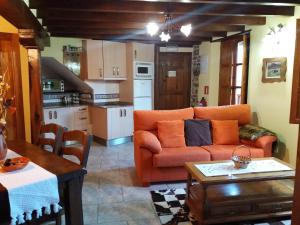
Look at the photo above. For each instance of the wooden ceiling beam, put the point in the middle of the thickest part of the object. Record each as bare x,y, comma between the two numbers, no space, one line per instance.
68,30
127,37
66,15
18,13
77,25
163,7
237,2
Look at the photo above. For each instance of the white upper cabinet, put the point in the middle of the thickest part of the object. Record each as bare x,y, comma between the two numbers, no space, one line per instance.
92,61
103,60
114,54
143,52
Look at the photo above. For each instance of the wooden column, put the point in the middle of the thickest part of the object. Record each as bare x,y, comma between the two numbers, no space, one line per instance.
31,40
36,111
296,206
295,118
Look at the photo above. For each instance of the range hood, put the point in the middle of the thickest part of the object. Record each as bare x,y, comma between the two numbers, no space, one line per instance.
53,69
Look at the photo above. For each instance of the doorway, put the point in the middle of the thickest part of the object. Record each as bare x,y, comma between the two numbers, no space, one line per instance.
172,80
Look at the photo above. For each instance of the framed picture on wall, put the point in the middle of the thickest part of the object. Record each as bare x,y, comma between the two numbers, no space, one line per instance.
274,70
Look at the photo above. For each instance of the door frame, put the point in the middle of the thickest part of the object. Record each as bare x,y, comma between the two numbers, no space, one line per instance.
17,119
156,73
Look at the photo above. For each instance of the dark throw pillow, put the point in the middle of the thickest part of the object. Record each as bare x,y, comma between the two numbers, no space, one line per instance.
197,132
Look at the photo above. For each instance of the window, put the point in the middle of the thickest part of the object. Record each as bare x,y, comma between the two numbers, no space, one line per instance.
237,74
233,71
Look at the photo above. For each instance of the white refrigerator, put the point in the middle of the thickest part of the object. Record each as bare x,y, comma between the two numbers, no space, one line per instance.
143,94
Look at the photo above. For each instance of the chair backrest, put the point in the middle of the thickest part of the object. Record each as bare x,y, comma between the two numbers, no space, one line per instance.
55,142
81,145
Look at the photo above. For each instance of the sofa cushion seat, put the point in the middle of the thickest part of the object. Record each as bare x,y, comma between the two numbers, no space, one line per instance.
224,152
175,157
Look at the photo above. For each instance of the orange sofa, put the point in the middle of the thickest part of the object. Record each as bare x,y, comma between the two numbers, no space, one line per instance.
154,163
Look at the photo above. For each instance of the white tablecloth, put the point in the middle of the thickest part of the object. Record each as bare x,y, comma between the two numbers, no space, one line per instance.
29,189
227,168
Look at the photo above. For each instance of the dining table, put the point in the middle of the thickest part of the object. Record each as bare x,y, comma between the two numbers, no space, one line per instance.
69,175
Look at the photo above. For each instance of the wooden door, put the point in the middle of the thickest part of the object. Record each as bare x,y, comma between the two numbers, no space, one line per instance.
10,64
225,72
233,77
173,80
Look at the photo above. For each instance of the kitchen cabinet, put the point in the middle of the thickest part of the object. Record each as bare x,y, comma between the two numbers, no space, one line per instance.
143,52
103,60
72,118
114,54
112,122
92,61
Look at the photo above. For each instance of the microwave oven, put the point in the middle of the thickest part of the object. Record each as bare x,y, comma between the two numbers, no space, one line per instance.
53,85
143,70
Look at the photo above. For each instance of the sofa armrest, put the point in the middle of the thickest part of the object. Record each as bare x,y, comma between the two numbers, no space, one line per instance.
147,140
264,142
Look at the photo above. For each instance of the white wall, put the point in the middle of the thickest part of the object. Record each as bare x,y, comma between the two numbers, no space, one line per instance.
56,47
211,76
56,51
271,101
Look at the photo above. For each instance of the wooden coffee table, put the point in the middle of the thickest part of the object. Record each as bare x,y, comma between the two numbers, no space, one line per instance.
232,198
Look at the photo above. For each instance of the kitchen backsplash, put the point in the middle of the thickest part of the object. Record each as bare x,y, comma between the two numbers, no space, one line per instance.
103,91
71,97
99,98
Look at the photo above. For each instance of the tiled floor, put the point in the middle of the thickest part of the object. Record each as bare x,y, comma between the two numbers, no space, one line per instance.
111,195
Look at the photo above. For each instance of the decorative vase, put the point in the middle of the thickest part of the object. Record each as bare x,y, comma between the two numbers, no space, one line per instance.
3,146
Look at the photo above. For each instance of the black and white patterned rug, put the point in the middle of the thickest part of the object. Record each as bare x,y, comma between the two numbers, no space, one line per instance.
171,209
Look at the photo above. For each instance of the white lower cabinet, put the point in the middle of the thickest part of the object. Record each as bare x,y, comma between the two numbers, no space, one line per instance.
112,123
72,118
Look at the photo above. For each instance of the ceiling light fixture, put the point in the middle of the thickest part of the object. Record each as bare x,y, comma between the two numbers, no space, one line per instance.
167,28
186,29
165,36
152,28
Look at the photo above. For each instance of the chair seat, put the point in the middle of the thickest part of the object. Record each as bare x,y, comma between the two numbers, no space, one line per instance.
175,157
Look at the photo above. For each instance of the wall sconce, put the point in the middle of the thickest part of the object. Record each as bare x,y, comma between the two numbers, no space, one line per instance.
276,32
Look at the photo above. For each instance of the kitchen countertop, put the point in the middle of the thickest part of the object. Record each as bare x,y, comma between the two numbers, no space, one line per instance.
99,105
111,104
61,105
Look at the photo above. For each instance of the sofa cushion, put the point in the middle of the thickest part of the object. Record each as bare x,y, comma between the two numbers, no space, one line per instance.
171,133
225,132
147,140
242,113
147,119
224,152
174,157
197,132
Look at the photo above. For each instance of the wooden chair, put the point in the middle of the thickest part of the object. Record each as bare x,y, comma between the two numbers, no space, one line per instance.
56,142
81,147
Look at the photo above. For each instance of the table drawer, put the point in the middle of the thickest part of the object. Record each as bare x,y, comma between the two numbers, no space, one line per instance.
275,206
229,210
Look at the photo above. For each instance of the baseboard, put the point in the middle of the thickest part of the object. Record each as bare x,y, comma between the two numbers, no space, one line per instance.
112,142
